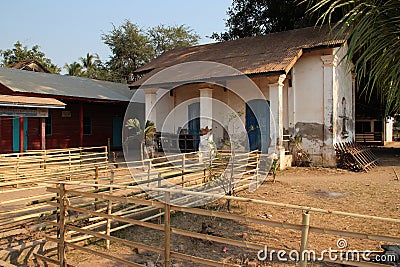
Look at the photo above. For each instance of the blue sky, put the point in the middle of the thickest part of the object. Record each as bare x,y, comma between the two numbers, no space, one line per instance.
67,30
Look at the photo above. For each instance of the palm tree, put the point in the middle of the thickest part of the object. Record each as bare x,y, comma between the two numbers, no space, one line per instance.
144,136
372,31
90,63
73,69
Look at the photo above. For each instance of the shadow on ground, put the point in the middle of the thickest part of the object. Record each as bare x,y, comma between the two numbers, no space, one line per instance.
388,155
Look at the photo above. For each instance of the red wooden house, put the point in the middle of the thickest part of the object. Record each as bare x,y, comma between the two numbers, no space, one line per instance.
45,111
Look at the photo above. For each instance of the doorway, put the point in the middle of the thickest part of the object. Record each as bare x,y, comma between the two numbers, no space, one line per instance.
194,122
117,132
258,124
16,131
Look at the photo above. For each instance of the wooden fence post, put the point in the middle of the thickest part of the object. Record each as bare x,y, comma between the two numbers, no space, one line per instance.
17,170
109,209
304,238
167,230
61,224
69,165
257,166
80,157
96,181
148,172
44,161
108,148
183,169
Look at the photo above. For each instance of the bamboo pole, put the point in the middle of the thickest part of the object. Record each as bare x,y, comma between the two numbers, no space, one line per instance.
61,223
183,169
103,255
96,181
50,260
167,230
109,209
304,238
148,172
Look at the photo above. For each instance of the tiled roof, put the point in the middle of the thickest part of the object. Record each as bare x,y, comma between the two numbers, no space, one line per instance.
276,52
29,82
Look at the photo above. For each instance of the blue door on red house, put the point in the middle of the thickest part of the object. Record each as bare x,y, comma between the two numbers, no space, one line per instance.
257,124
16,131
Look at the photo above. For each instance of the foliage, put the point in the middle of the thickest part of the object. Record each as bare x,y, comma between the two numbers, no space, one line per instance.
372,30
90,62
132,47
21,53
73,69
259,17
164,38
144,135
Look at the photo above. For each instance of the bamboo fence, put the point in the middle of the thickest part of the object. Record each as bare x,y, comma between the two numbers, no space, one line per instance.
32,167
29,205
166,209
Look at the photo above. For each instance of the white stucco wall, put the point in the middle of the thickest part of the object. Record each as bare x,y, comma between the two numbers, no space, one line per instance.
164,105
307,84
343,85
323,103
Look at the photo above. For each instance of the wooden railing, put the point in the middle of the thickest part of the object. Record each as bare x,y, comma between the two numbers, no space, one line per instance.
372,138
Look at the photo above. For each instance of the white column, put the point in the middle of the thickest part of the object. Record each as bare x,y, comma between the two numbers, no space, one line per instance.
292,104
276,120
330,111
150,101
206,107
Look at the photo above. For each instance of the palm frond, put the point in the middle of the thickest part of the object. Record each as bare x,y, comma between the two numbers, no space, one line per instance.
372,31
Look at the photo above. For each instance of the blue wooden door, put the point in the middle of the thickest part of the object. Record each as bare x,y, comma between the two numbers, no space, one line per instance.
194,121
16,128
117,132
257,124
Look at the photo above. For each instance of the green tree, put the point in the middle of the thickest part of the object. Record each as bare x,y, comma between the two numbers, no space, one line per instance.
372,31
130,48
73,69
90,64
21,53
164,38
259,17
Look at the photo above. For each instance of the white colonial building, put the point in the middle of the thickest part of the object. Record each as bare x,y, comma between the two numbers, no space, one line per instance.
303,88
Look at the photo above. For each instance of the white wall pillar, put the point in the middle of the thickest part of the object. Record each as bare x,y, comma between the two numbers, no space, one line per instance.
292,104
388,129
206,111
330,111
276,120
150,101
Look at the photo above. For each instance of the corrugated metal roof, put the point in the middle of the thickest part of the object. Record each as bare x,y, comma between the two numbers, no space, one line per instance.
21,81
276,52
27,101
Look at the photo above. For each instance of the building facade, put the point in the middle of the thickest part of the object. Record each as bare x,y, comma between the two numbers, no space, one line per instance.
306,90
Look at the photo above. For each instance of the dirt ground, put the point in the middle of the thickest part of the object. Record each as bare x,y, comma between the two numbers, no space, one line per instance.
374,193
